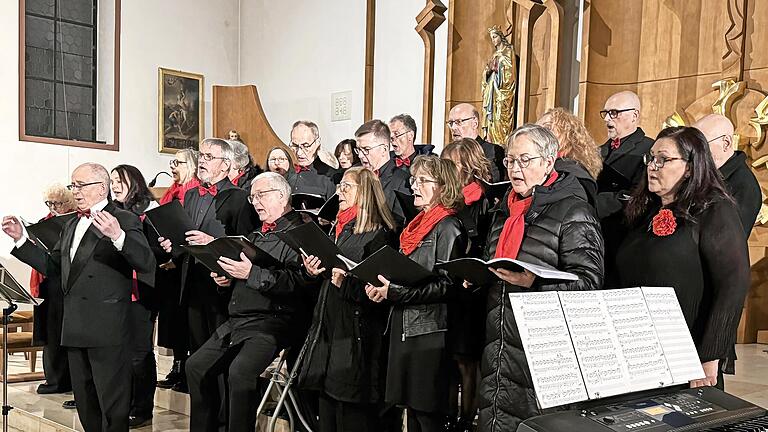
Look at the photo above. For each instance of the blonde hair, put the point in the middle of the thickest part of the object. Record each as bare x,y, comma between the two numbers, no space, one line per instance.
576,143
444,172
189,156
473,160
59,193
373,211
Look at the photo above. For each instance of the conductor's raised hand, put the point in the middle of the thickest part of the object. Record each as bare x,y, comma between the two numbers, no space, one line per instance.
165,244
12,227
312,264
237,269
221,281
195,237
107,225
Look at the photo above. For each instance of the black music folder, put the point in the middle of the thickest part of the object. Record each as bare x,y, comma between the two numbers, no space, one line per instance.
230,247
309,239
306,201
391,264
610,180
478,271
494,191
406,203
327,210
171,221
47,232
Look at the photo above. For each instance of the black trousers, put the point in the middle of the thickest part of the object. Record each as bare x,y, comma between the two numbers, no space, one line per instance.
419,421
143,364
338,416
101,383
242,363
47,332
206,311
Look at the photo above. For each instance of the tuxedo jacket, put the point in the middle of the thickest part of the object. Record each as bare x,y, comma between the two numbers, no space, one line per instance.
623,165
395,179
320,179
97,281
495,155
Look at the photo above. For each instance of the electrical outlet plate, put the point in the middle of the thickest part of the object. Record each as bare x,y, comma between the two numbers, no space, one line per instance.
340,108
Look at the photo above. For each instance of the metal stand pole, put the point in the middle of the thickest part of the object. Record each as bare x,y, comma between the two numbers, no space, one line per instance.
6,319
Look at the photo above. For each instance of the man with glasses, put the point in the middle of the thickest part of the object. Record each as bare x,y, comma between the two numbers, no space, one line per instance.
97,255
464,122
310,175
217,208
373,150
402,130
732,163
270,310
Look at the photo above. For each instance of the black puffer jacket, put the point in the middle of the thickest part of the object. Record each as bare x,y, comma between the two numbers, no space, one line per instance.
561,231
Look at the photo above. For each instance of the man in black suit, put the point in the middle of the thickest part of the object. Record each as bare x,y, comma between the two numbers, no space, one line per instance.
218,209
310,175
373,139
464,122
270,310
732,163
97,255
402,128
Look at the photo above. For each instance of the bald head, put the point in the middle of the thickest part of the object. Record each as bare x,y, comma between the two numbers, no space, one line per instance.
625,106
464,121
91,185
719,133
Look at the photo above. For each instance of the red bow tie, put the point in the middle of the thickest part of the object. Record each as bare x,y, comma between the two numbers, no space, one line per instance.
267,227
84,213
615,143
300,168
400,162
202,190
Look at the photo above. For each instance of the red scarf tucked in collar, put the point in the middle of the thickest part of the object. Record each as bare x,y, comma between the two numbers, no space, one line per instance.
343,218
177,191
472,193
420,226
511,237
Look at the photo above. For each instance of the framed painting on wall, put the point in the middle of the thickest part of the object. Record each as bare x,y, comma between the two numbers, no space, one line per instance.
180,110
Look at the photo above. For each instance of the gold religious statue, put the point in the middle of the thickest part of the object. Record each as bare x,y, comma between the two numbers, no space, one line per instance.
499,86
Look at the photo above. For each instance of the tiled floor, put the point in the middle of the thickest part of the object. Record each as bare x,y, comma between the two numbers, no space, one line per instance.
750,383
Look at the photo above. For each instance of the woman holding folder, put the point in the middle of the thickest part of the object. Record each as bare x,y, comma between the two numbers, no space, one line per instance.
344,342
544,219
418,362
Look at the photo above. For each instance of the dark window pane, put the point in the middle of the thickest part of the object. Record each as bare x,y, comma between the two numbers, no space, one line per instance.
77,10
76,39
38,63
38,32
42,7
38,94
73,98
80,126
38,122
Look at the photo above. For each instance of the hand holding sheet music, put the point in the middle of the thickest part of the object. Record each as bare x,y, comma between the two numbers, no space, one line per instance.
478,272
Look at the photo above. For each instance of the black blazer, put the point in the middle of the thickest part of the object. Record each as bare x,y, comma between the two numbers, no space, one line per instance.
395,179
97,281
495,154
321,179
744,188
627,160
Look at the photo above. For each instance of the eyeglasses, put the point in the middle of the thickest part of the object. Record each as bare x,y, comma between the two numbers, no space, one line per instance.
209,157
367,150
717,138
277,160
457,123
613,113
54,204
175,162
659,161
305,146
343,187
523,161
259,196
394,137
418,181
78,186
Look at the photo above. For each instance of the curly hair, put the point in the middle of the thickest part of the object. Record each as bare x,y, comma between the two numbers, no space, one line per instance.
473,160
575,141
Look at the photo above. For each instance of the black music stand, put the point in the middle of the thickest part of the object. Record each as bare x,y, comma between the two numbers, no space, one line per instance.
11,293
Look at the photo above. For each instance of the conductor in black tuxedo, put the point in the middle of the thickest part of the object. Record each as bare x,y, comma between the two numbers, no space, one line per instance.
97,255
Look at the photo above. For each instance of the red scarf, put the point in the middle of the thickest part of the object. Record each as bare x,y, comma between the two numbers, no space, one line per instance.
514,227
472,193
36,278
420,226
343,218
177,191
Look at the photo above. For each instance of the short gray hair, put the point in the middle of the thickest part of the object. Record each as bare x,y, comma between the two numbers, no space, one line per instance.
407,121
545,142
241,155
226,149
311,125
276,181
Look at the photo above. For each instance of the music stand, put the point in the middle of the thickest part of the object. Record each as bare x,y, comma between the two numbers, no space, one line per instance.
11,292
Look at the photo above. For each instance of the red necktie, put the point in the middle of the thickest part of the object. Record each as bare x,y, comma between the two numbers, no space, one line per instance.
202,190
400,162
267,227
300,168
615,143
84,213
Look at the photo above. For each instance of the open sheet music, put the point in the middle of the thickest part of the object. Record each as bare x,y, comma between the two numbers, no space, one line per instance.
618,341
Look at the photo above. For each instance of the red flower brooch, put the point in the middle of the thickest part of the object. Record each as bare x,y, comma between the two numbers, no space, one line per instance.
664,223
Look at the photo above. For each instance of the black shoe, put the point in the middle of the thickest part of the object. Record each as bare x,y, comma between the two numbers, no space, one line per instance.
174,376
46,388
138,421
463,425
70,404
181,387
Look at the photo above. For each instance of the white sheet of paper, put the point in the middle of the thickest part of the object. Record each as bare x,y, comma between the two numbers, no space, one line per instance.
547,343
676,341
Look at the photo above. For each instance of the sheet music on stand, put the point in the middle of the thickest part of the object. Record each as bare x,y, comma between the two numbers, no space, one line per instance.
12,291
614,341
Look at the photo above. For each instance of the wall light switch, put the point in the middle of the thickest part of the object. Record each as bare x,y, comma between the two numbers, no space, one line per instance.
340,109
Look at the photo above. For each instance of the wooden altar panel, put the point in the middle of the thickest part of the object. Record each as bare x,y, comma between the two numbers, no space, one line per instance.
239,108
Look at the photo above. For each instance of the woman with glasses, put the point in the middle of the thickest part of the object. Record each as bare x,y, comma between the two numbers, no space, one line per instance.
278,161
419,365
685,233
466,316
544,219
344,342
346,154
